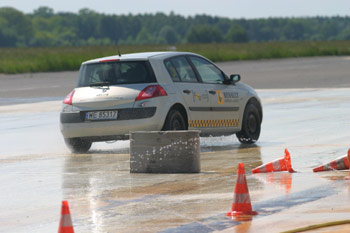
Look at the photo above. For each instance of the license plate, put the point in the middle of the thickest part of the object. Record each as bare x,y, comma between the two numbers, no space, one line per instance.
101,115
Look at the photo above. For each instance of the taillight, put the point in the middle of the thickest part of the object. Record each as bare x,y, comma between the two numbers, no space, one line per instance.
69,98
151,92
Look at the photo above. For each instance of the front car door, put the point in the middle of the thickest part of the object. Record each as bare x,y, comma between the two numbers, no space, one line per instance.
224,98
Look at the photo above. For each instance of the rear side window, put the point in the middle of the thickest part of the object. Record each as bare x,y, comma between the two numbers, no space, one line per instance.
172,71
183,70
114,73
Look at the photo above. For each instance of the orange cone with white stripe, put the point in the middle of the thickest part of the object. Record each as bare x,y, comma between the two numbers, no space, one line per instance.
340,163
241,201
281,164
66,225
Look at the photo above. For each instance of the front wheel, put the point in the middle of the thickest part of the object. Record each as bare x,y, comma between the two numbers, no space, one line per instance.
78,145
174,121
251,125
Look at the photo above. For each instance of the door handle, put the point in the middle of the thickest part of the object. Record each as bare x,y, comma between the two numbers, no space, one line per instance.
212,92
187,91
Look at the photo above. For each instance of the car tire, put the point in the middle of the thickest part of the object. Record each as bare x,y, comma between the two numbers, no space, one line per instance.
78,145
174,121
251,125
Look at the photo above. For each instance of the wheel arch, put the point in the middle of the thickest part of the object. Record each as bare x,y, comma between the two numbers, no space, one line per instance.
179,107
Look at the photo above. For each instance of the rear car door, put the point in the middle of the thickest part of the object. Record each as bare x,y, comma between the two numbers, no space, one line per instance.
193,92
224,98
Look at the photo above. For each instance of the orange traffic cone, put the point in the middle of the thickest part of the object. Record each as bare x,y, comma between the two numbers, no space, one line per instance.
281,164
340,163
66,225
241,201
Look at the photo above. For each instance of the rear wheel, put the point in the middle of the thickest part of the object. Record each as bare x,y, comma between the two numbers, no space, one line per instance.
78,145
251,125
174,121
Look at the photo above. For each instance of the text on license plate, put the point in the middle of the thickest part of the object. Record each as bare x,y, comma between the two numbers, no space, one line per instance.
101,115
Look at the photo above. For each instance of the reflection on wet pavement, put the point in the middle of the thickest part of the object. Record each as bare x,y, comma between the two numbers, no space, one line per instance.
135,198
281,179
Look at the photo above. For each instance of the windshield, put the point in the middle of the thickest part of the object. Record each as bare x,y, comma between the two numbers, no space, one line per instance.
114,73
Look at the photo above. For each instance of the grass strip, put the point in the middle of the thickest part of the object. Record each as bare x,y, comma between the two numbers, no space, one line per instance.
29,60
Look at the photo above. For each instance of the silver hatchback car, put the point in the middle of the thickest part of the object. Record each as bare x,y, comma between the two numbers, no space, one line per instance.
157,91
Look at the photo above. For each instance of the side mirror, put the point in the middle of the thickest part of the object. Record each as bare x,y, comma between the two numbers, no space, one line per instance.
234,78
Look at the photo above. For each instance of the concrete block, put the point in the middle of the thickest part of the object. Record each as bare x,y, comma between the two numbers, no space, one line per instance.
165,152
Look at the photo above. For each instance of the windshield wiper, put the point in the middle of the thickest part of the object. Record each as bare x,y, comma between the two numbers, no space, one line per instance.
99,84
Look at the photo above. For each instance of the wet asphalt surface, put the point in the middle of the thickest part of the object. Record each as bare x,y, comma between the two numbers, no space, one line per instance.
312,122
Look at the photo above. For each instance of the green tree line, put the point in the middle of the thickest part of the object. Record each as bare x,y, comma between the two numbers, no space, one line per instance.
44,27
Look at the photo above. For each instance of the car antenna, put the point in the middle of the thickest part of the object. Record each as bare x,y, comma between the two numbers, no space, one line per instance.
119,53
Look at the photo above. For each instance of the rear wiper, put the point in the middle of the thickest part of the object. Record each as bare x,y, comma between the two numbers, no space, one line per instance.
99,84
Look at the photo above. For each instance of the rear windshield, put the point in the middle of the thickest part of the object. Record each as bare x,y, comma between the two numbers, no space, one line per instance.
114,73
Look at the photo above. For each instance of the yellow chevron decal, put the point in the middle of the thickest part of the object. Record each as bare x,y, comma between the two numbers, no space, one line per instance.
213,123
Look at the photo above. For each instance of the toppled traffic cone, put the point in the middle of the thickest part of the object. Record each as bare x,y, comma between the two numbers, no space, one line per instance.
241,201
281,164
66,225
340,163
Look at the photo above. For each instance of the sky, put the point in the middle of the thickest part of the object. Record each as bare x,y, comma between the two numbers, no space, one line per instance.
248,9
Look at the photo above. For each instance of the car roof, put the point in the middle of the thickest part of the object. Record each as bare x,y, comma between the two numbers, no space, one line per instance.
140,56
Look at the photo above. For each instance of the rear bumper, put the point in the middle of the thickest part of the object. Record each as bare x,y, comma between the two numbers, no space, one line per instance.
74,125
123,114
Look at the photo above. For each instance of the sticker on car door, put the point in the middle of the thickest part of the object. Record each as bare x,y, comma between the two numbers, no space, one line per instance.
200,97
231,96
220,96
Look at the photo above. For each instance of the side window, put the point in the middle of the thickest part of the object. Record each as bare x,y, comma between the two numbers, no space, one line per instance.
172,71
184,69
208,72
